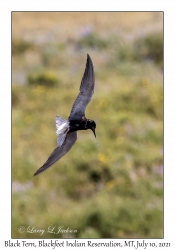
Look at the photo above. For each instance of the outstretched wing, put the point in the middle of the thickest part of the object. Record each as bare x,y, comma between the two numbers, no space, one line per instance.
59,152
86,92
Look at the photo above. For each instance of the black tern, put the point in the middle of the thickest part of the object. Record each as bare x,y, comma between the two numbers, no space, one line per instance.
67,129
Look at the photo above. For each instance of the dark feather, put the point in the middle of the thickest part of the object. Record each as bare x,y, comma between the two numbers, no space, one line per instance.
86,92
59,152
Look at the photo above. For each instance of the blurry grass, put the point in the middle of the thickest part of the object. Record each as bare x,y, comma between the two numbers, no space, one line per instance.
150,47
93,40
20,46
43,77
111,186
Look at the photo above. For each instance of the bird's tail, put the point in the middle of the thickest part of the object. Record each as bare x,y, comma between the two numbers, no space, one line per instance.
62,127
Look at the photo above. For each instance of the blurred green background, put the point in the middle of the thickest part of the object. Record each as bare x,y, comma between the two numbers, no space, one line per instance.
108,187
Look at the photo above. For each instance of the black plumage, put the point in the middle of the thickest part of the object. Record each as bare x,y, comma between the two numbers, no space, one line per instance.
67,129
86,92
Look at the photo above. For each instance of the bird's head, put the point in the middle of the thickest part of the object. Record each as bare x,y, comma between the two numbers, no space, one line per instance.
91,125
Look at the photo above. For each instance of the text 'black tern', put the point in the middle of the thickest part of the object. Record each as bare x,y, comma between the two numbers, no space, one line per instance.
67,129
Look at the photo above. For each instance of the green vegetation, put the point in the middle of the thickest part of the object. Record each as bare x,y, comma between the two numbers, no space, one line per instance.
43,77
150,47
20,46
105,187
93,40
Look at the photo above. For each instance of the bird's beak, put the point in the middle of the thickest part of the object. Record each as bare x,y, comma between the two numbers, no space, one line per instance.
93,129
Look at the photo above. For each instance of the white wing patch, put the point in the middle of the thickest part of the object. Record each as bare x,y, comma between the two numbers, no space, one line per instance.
62,126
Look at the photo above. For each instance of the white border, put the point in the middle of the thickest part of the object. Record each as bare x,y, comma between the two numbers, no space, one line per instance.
5,96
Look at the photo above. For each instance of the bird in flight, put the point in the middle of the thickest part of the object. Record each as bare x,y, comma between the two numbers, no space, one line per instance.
67,129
